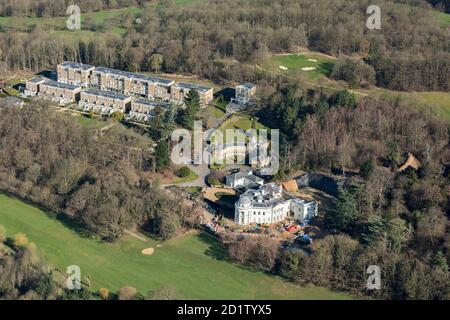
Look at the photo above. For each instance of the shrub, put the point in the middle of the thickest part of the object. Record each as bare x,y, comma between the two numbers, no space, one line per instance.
127,293
163,293
20,240
184,172
355,72
118,116
214,182
103,293
2,233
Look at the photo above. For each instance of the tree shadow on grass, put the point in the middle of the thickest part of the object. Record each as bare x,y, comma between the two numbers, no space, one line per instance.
66,220
326,67
218,251
74,225
215,248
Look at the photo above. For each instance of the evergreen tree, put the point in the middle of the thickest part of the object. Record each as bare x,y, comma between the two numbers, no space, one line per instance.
162,155
440,261
347,210
187,116
344,99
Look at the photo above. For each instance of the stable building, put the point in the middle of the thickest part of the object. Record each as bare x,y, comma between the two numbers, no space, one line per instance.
74,73
180,91
257,153
243,179
104,102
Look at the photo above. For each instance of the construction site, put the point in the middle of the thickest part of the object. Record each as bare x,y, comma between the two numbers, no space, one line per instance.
289,231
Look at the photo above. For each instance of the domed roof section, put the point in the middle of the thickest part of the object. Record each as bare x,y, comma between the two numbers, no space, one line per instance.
244,202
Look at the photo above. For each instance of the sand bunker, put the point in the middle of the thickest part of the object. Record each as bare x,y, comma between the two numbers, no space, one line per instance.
309,68
312,60
283,68
148,251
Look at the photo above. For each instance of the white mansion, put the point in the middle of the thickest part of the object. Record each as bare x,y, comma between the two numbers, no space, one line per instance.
268,205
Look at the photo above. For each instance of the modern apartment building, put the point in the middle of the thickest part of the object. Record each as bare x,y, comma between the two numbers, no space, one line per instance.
181,90
74,73
143,109
32,86
128,83
66,93
104,102
244,93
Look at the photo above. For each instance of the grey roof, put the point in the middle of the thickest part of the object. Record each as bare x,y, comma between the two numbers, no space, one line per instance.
194,86
137,76
247,85
36,80
266,201
76,65
250,179
255,178
61,85
155,104
240,175
108,94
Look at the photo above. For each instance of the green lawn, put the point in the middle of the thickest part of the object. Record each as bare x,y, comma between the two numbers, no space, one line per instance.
91,122
294,64
438,102
242,122
191,177
194,264
216,112
57,25
444,18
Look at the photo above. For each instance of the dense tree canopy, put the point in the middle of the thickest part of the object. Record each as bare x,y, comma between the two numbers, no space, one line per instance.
223,40
99,179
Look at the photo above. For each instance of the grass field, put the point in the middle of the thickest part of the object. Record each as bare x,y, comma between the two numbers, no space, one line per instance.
438,102
242,122
444,18
194,264
294,64
57,25
91,122
191,177
216,112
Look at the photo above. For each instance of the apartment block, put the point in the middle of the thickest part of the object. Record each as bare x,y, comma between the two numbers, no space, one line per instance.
105,102
74,73
244,93
32,86
131,83
143,109
62,91
181,90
